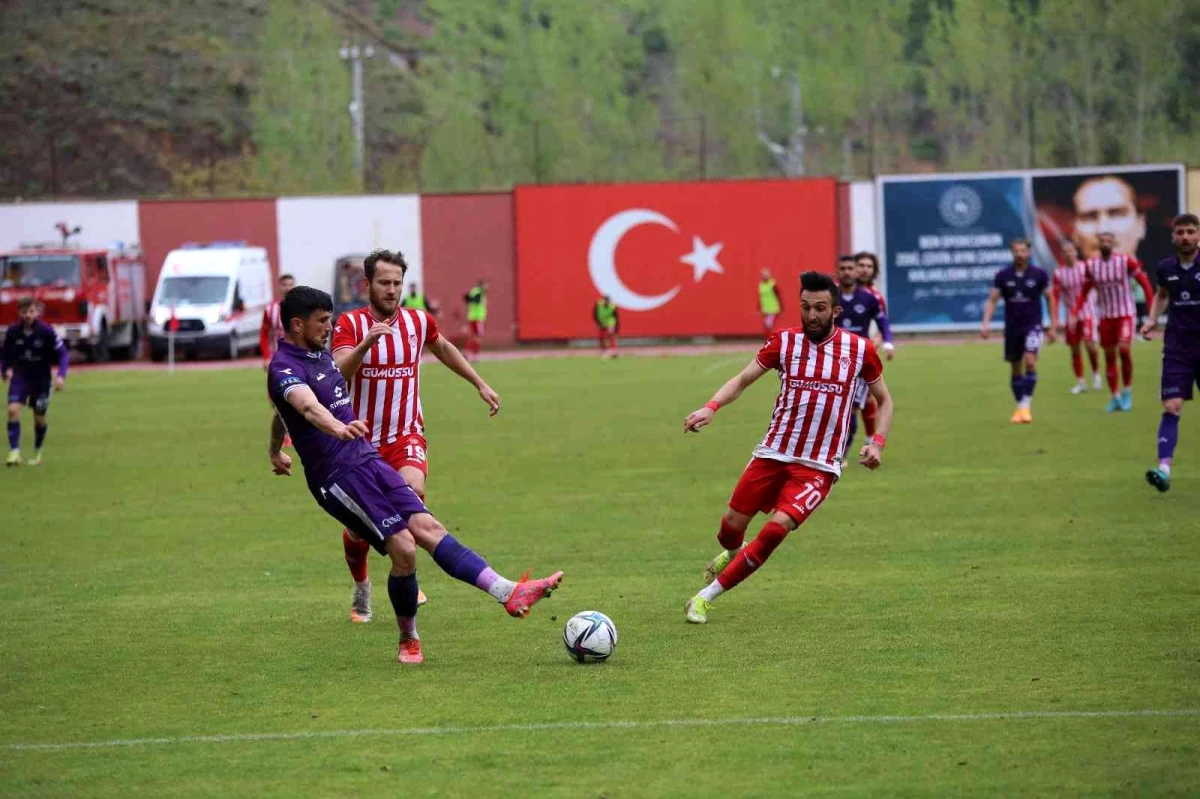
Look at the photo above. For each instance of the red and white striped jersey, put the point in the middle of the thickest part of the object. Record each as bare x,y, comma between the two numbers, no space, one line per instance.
1111,279
272,330
1069,281
385,389
817,383
878,295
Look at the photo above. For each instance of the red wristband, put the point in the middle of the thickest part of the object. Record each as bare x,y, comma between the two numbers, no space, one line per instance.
878,441
713,405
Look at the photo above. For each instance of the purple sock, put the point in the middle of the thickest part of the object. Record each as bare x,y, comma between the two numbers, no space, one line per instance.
14,435
403,593
1018,387
486,579
39,435
458,561
1168,436
1030,382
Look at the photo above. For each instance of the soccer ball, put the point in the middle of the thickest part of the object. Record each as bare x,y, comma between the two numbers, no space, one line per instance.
590,636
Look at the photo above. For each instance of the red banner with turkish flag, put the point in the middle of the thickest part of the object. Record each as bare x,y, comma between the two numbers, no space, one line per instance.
678,259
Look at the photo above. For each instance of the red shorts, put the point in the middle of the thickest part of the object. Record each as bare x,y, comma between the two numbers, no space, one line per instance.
1083,330
476,328
410,450
1117,330
790,488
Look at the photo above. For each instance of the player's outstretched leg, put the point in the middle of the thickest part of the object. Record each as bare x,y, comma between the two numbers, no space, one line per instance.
1168,437
464,564
402,591
357,551
749,559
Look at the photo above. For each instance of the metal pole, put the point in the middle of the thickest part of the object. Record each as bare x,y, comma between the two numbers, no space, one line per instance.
358,104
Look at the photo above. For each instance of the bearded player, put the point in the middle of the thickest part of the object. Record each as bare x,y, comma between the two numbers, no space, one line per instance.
378,350
1179,295
1109,273
858,308
1080,330
801,455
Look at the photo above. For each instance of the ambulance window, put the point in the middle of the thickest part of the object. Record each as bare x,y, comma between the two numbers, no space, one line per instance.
238,303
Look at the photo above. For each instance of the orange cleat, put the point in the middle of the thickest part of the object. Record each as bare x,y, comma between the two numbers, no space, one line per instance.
529,592
410,651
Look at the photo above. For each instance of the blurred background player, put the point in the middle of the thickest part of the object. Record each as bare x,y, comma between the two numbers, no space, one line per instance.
352,483
868,273
414,299
801,455
1179,295
607,324
770,304
1022,287
476,300
378,350
1108,273
271,329
858,308
31,347
1080,330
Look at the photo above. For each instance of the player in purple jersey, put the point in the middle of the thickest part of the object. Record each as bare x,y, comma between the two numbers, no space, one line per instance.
1179,295
353,484
31,348
859,308
1022,287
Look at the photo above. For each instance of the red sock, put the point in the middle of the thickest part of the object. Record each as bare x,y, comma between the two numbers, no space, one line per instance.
730,537
1093,359
753,556
356,556
1126,368
1110,370
1077,364
868,417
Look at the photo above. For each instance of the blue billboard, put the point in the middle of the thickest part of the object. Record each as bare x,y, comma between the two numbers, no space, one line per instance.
944,239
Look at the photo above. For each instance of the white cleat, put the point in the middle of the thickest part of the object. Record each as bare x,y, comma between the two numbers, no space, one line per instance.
1096,382
360,605
14,458
1078,388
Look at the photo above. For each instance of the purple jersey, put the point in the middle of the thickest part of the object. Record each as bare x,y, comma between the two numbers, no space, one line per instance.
31,353
324,457
859,308
1022,292
1183,312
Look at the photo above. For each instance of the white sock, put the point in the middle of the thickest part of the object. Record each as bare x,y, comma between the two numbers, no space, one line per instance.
1080,383
712,590
1024,403
364,584
1165,468
502,589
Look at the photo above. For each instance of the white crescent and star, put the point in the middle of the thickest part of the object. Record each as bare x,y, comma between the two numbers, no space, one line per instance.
602,262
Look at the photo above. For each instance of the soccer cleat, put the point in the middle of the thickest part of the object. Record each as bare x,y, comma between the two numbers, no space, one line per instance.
360,605
1018,416
697,609
421,598
718,564
410,651
1078,388
1159,479
36,460
14,458
1027,416
1127,399
1113,405
529,592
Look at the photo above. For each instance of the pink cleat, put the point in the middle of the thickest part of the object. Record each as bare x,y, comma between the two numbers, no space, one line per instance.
529,592
410,651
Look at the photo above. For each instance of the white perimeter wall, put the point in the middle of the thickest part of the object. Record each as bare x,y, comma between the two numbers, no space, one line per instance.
863,235
103,223
315,231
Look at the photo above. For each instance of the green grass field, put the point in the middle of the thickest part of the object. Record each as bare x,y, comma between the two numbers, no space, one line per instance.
985,615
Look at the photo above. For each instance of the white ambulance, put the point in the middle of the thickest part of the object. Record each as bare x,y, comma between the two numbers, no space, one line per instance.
216,294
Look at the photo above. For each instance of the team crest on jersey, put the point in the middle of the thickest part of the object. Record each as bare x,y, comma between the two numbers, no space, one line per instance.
860,308
412,342
844,361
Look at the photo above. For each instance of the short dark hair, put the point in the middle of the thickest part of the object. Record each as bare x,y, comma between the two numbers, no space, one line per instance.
286,276
846,257
302,302
817,282
1185,219
388,257
26,302
1017,241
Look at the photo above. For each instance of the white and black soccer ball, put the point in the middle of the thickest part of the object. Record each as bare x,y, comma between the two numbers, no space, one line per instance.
590,636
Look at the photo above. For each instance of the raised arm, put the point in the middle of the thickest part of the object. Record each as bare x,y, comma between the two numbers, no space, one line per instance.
449,354
349,358
726,394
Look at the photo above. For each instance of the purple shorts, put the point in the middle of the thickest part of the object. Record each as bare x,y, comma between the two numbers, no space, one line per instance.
1021,340
34,393
1180,371
371,500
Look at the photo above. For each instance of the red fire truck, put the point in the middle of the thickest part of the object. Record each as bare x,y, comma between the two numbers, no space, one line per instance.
94,298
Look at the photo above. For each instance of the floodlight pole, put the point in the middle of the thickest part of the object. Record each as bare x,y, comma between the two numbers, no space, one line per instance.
358,107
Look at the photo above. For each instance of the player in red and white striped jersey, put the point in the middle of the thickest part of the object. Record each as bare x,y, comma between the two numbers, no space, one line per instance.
801,456
1080,330
271,329
378,351
1108,273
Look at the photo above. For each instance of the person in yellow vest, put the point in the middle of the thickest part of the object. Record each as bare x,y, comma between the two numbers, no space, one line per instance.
769,302
414,299
476,300
607,323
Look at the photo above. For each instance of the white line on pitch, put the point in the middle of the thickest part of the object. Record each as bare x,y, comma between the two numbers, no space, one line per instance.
610,725
724,362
